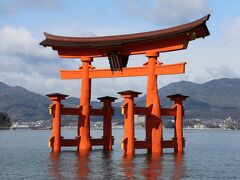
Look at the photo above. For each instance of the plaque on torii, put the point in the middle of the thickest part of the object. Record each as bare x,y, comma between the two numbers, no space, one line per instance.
118,49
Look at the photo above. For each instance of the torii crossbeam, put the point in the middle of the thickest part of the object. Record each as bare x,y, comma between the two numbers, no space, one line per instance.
126,72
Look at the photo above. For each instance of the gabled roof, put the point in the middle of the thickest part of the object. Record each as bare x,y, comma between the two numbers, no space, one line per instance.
185,32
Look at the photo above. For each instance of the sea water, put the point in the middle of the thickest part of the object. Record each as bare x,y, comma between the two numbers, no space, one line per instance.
209,154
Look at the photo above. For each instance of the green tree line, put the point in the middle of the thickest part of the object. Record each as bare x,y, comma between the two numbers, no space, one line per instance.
5,120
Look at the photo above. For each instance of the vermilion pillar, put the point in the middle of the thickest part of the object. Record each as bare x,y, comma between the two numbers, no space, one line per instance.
178,104
107,121
84,118
56,121
153,120
129,138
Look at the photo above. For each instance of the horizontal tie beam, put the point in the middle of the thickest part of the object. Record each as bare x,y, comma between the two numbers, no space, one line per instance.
142,110
97,112
78,111
168,111
71,111
178,68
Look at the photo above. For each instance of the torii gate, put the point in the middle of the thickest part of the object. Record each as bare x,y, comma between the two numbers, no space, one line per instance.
118,49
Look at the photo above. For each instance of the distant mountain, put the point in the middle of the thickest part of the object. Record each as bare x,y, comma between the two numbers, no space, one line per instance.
219,92
22,104
218,98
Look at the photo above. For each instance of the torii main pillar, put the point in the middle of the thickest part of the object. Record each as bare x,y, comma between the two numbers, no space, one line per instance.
153,121
84,118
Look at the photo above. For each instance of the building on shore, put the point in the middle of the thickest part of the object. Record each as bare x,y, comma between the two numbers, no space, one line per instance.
199,126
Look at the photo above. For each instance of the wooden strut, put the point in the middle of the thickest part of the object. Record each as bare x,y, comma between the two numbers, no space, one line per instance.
178,68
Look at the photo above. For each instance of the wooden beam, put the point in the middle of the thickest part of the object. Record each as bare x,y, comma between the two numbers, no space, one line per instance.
71,111
161,45
69,142
126,72
97,112
142,144
78,111
168,111
178,68
142,110
97,142
156,47
169,143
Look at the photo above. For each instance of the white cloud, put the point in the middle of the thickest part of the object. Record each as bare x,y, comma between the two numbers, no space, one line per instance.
25,63
166,12
18,41
221,72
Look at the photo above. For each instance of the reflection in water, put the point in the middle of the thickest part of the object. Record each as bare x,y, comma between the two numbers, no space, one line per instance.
127,162
148,166
153,167
99,164
179,171
55,167
108,168
66,164
202,158
82,165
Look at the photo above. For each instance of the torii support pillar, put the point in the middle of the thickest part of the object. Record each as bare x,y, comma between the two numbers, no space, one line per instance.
129,137
153,120
55,109
107,121
178,131
84,118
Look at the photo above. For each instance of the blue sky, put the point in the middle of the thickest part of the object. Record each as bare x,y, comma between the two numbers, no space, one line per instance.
24,63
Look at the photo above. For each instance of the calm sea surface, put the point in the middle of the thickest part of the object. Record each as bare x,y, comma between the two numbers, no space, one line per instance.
209,154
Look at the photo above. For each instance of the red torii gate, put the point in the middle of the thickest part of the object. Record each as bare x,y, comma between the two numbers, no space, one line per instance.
118,49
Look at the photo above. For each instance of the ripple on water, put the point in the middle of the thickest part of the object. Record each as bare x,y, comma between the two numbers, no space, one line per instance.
208,155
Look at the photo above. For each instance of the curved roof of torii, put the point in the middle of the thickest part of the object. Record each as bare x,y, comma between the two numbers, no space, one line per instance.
174,38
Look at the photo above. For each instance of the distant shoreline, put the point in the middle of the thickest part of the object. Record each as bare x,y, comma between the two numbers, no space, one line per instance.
5,128
116,127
